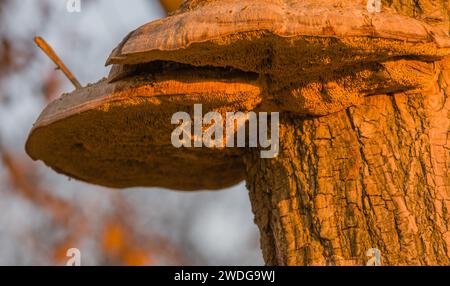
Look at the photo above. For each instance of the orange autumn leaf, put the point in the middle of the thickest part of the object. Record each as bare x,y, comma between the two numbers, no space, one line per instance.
121,248
113,239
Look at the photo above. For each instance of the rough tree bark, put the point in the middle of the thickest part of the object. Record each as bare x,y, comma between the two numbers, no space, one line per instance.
372,176
375,175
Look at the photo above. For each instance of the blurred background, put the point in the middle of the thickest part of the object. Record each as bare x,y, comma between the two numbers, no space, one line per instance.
43,214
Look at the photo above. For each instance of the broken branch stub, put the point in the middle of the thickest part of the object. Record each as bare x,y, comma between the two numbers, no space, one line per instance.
47,49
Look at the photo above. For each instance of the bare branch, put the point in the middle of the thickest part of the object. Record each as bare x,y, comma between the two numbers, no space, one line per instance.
45,47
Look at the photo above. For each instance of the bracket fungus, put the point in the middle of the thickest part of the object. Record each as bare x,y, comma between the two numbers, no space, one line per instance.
119,135
310,60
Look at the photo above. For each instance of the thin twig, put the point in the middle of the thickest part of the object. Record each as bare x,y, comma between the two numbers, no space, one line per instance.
52,55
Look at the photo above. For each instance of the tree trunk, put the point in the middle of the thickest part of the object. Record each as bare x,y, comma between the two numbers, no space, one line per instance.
372,176
431,11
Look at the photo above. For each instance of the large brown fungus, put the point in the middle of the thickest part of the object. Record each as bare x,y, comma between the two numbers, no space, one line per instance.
307,57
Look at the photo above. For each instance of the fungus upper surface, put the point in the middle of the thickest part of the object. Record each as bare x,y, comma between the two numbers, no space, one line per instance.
281,37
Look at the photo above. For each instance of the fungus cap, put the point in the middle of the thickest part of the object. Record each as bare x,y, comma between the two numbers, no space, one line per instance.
280,37
119,134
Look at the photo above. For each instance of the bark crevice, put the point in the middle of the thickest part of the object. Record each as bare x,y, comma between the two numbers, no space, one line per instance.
373,175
